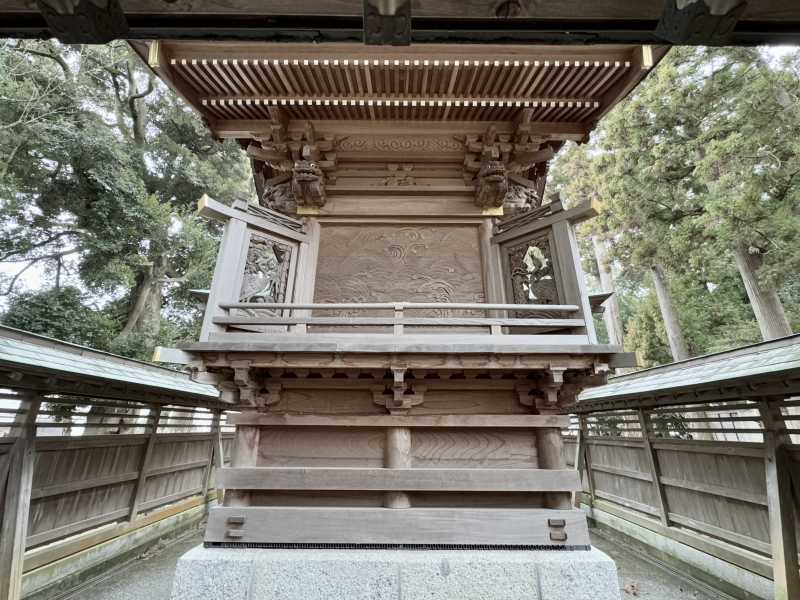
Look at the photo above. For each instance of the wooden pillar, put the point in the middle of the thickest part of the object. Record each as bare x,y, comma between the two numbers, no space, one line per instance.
780,505
571,274
655,472
17,501
397,455
491,267
245,454
550,452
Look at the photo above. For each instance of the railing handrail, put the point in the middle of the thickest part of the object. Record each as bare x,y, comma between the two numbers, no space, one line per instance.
400,306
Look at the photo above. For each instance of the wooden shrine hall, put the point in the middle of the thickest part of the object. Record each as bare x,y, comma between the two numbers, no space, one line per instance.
401,315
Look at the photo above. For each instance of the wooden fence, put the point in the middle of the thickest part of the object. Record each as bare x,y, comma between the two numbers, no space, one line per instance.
87,465
727,470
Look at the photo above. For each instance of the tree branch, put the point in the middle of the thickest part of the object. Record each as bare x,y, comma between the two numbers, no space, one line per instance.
60,61
5,257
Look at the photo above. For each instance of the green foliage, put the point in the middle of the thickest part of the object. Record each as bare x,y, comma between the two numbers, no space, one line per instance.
62,314
703,159
100,170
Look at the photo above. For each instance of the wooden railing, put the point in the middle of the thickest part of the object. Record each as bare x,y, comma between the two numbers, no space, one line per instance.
99,461
702,474
297,318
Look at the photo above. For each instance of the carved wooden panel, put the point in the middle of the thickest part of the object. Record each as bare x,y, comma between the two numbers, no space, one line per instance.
532,272
399,143
266,271
386,263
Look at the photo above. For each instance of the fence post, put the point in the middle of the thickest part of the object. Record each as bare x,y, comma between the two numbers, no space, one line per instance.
655,471
17,501
138,490
214,451
780,505
578,464
587,458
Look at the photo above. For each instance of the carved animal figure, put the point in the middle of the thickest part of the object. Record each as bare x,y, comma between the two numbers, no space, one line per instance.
491,184
308,183
280,197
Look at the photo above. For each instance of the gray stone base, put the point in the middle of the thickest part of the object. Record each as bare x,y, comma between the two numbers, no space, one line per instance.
261,574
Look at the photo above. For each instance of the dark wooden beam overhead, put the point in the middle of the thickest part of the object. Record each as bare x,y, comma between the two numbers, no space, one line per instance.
432,21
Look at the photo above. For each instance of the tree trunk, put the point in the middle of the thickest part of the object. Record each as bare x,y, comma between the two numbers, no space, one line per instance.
611,314
764,299
144,315
677,343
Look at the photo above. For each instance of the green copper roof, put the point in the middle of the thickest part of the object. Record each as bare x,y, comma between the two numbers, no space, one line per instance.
766,360
31,353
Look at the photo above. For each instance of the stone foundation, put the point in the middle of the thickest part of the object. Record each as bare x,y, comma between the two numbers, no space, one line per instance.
262,574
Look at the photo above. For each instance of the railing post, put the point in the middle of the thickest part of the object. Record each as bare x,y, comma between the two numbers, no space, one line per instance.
398,314
17,501
138,489
783,540
655,472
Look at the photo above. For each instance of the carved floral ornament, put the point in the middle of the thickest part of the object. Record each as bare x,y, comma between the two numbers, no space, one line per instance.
399,143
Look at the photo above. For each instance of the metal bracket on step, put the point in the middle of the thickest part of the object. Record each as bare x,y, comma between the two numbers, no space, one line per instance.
237,532
558,532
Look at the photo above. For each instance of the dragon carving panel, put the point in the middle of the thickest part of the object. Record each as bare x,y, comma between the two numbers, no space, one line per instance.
266,271
375,263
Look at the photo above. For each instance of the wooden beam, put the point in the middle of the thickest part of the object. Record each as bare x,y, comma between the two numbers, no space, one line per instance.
655,474
138,489
577,464
573,215
159,61
245,128
587,459
17,501
211,209
411,321
400,479
468,421
214,451
513,527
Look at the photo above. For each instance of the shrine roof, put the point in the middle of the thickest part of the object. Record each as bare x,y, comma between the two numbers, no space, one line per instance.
29,361
237,86
732,373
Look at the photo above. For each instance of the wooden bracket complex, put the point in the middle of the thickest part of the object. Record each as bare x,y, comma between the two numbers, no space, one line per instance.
401,396
251,389
542,395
